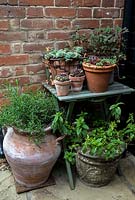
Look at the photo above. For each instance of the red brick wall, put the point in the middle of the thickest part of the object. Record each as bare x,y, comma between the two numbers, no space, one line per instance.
28,26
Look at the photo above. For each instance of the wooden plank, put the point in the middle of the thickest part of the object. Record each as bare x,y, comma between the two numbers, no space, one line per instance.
114,89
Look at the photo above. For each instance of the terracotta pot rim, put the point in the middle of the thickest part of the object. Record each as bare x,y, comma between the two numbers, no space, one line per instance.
88,67
76,78
102,159
62,83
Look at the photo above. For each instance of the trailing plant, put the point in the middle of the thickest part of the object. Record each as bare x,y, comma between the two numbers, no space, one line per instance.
30,112
105,139
108,41
79,39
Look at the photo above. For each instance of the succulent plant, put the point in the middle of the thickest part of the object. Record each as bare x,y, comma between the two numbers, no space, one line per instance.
62,77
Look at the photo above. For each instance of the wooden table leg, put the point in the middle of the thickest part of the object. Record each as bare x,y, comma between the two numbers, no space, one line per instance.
68,165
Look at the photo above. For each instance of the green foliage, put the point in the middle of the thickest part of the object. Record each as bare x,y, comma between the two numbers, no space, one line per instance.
106,61
74,132
30,111
116,111
107,42
67,54
105,139
79,39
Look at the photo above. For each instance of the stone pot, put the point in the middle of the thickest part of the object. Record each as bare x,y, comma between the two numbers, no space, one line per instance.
95,171
31,164
97,76
76,83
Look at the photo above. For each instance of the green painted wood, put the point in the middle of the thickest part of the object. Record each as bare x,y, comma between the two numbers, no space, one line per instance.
114,89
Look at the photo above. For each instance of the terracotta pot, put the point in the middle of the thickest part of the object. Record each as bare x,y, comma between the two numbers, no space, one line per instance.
76,83
97,76
59,71
31,164
62,88
94,171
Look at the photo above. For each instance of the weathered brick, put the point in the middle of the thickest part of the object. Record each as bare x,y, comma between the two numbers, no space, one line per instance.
13,36
32,87
36,36
14,24
58,35
35,58
106,22
63,3
17,12
5,72
5,49
34,12
35,69
60,45
14,60
33,47
23,80
84,13
85,23
19,70
4,25
120,3
107,3
37,2
37,78
3,101
60,12
16,47
85,3
2,2
63,24
36,24
106,13
13,2
12,11
3,11
118,22
122,13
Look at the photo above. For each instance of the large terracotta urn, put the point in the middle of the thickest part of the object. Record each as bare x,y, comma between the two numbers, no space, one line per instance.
31,164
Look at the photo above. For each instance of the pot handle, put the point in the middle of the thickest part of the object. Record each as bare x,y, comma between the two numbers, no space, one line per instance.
59,139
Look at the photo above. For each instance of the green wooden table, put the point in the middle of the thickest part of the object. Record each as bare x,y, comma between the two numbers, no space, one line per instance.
114,90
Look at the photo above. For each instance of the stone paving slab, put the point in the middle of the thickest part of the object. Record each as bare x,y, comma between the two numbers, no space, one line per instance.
127,171
116,190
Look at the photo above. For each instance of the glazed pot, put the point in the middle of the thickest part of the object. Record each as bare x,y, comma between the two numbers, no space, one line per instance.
76,83
95,171
97,76
62,88
31,164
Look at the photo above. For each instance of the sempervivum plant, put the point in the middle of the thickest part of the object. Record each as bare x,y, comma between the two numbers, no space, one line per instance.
62,77
77,73
101,61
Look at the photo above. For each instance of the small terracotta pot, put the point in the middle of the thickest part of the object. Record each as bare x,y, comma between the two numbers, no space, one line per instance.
76,83
62,88
97,76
